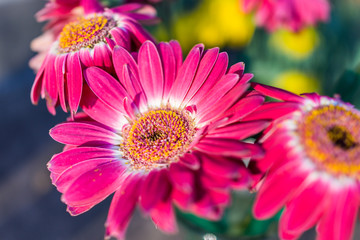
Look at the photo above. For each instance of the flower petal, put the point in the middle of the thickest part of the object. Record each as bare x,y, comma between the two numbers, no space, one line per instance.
122,206
74,81
276,93
164,217
86,134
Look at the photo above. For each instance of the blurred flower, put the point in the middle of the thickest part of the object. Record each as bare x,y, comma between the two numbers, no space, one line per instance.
215,23
297,45
311,164
87,41
291,14
297,82
168,132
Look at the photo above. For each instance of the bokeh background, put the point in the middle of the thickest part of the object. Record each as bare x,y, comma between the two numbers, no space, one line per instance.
324,58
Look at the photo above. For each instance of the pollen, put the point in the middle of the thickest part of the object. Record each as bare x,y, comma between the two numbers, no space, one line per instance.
84,32
157,138
331,136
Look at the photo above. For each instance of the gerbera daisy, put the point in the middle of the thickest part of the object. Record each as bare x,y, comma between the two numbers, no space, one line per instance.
313,165
166,132
291,14
86,41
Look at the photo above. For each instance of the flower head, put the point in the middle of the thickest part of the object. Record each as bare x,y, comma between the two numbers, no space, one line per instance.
86,39
291,14
312,164
165,132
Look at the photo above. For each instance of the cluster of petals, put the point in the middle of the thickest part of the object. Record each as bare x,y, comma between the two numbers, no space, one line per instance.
59,77
199,179
291,14
313,195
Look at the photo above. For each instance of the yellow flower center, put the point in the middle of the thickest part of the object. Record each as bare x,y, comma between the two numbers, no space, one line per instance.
331,135
157,138
85,32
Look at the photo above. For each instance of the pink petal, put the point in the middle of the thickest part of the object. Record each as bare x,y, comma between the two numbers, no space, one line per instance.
74,81
36,87
182,177
138,33
103,57
272,110
338,222
206,65
244,107
60,162
74,211
74,133
228,147
86,58
51,91
60,64
237,68
185,76
122,37
216,73
275,192
91,6
276,93
240,130
101,112
164,217
94,184
156,188
169,66
151,72
304,210
222,166
106,88
190,160
122,206
177,53
122,57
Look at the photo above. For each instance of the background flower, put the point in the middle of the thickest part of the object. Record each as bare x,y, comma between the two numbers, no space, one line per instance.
311,165
87,41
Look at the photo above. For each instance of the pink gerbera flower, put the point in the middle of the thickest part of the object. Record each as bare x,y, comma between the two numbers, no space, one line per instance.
166,132
86,41
313,165
292,14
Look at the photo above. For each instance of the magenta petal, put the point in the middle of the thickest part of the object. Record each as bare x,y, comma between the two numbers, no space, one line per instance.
103,57
156,188
60,69
74,211
185,76
122,206
36,87
74,81
182,177
339,220
237,68
101,112
272,110
74,133
177,53
60,162
206,64
228,147
275,192
222,166
240,130
86,58
91,6
51,90
122,37
122,57
216,73
151,72
94,185
106,87
164,217
169,66
276,93
190,160
305,210
138,33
